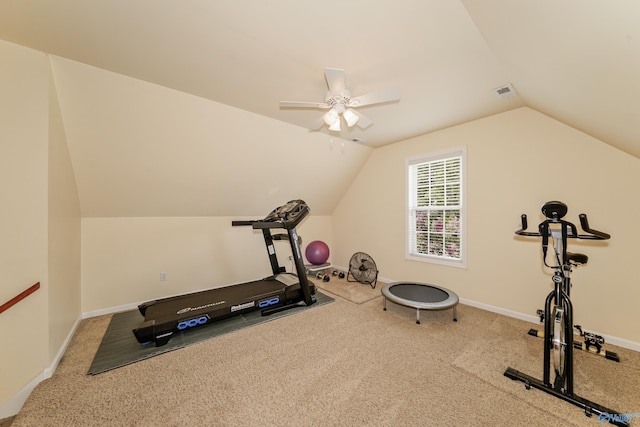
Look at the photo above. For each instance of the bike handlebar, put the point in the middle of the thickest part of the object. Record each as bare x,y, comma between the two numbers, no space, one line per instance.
584,223
521,231
594,234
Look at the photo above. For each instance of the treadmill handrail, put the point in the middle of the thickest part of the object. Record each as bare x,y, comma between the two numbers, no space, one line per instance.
236,223
259,225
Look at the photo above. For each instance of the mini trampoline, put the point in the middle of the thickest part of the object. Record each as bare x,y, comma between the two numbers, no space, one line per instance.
420,296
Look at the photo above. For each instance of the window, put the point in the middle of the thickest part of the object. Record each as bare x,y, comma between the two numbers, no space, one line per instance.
436,208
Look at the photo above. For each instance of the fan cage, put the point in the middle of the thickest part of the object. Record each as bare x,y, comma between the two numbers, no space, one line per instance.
362,268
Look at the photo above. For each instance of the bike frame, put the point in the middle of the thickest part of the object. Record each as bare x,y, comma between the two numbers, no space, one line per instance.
559,297
560,231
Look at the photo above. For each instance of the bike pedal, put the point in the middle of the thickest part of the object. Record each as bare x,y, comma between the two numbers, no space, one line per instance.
536,333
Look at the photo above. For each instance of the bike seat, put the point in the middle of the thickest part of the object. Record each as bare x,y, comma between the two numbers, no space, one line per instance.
577,259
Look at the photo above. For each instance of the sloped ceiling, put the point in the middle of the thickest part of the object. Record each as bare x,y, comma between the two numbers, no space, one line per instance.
577,61
143,150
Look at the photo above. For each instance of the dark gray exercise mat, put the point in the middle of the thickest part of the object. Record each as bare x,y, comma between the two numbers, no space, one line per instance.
119,346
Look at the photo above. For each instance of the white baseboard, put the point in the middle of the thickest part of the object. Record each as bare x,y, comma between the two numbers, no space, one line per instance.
56,360
12,406
346,269
110,310
609,339
499,310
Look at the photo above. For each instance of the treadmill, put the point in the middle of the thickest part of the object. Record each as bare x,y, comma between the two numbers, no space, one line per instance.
281,291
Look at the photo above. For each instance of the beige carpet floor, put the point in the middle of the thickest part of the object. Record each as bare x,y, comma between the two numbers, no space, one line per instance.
342,364
352,291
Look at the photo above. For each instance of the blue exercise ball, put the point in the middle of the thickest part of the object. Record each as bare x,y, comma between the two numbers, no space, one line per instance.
317,252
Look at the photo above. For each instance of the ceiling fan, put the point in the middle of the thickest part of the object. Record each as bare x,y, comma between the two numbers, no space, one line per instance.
339,102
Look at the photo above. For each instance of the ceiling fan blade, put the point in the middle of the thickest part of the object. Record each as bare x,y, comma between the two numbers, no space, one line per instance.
336,80
317,124
387,95
302,104
364,121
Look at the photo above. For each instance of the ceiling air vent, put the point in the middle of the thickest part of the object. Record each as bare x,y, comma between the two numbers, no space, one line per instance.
505,92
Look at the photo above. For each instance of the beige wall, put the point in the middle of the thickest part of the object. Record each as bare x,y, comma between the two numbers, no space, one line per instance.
516,161
23,217
122,258
39,225
64,234
143,150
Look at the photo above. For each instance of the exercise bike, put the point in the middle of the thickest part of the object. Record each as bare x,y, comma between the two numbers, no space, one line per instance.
558,310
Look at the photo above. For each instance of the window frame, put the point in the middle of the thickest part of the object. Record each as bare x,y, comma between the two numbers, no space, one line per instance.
410,236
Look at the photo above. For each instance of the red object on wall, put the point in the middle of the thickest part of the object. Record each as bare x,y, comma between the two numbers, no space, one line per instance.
13,301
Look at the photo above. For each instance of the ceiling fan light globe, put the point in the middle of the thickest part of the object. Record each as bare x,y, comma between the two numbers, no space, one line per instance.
335,126
350,117
330,117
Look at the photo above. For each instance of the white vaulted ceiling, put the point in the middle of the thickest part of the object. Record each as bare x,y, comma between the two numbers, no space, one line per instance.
577,61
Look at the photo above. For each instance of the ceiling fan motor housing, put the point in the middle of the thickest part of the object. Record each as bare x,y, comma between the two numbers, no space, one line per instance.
340,103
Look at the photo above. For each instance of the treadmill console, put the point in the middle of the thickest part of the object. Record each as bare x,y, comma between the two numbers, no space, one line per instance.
289,214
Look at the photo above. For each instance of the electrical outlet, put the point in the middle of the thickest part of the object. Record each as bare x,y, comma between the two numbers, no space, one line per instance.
163,276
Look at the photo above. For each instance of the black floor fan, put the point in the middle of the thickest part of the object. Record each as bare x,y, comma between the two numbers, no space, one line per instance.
362,268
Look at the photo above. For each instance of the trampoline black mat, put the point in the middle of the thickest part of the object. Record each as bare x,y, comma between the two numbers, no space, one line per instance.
119,346
419,292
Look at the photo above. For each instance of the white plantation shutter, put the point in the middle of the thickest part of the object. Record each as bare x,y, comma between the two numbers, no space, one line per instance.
435,208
